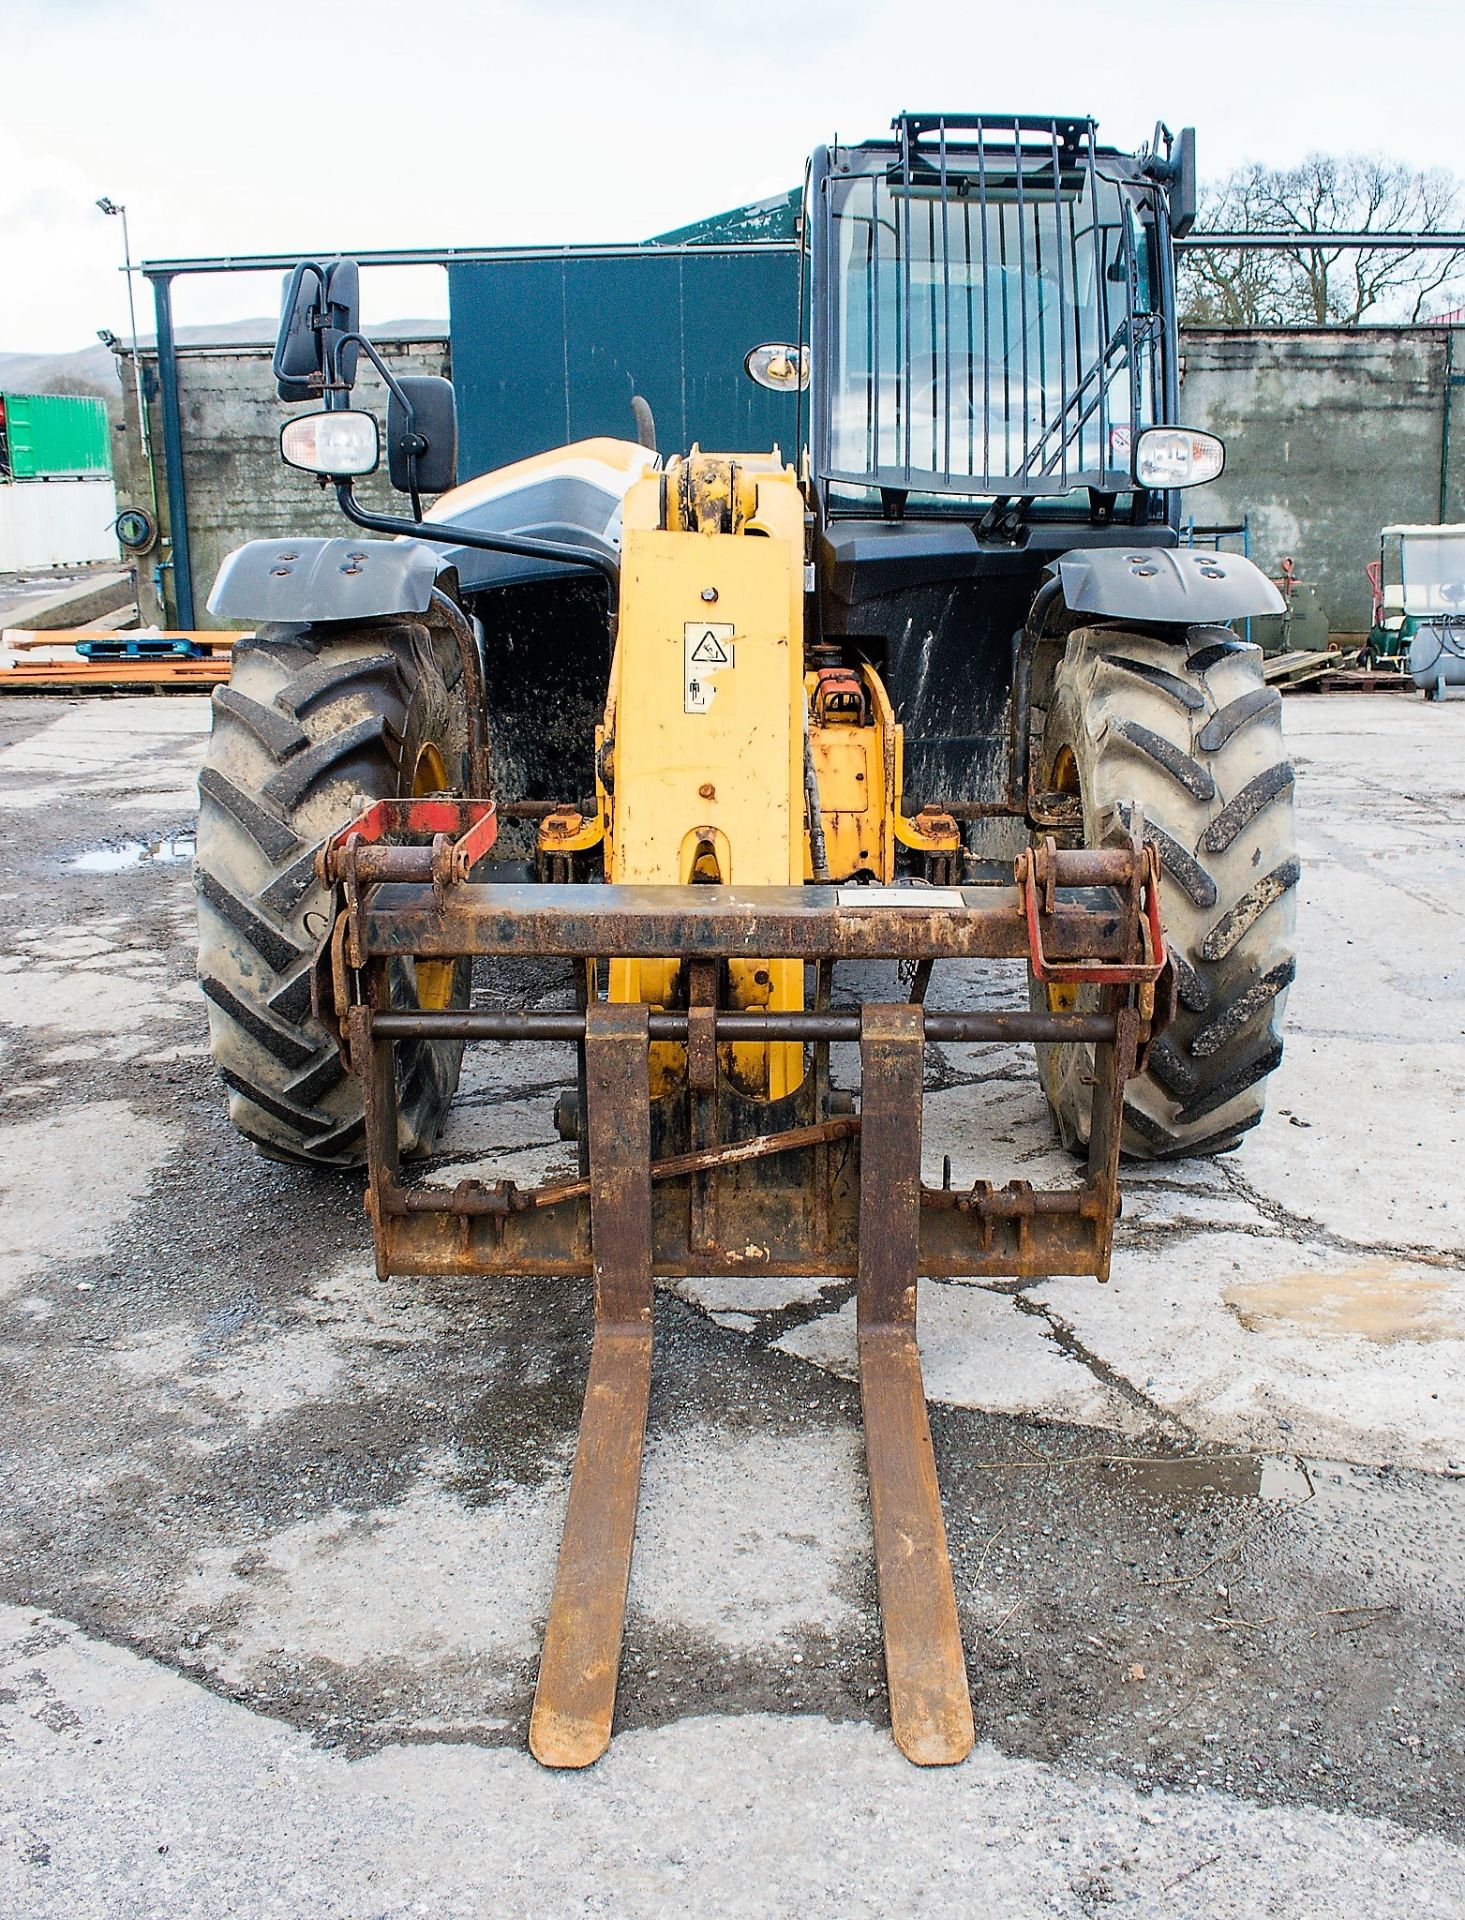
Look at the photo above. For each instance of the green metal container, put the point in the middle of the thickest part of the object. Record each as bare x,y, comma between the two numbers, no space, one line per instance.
48,435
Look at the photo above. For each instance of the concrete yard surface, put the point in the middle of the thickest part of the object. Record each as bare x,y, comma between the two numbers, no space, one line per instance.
277,1539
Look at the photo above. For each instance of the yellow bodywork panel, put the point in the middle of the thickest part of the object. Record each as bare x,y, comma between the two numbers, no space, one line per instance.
849,765
704,725
702,748
852,737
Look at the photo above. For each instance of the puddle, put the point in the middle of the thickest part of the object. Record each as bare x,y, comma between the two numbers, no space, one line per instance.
1286,1478
172,850
1241,1476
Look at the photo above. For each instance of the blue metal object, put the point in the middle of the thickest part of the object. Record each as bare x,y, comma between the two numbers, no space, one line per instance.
550,350
173,450
142,646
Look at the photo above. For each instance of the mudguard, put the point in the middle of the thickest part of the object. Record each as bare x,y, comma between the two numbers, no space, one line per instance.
1181,586
315,579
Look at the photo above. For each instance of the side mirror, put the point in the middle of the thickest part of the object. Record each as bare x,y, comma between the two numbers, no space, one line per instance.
340,445
780,368
321,307
1174,170
1183,196
432,435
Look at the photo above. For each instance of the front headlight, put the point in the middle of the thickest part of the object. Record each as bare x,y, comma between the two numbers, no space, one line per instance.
1177,457
338,444
781,369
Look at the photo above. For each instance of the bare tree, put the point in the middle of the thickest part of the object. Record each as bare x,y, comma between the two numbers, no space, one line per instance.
1315,283
78,385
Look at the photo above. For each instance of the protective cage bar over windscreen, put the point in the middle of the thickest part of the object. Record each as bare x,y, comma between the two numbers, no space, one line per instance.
992,316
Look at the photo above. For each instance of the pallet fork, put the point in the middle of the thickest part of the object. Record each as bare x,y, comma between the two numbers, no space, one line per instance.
821,1192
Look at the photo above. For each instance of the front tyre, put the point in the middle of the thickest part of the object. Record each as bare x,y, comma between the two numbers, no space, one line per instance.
1187,731
316,723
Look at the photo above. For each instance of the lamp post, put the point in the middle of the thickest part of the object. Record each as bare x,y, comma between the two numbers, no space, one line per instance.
111,207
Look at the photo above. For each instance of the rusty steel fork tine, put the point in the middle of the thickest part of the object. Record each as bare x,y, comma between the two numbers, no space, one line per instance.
574,1699
930,1702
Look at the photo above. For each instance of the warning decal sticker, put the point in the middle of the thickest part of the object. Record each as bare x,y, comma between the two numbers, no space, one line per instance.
707,650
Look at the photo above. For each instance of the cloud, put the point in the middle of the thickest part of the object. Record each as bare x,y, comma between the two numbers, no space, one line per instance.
515,121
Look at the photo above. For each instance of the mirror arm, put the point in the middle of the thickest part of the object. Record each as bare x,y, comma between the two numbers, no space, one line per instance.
389,379
393,387
448,535
292,291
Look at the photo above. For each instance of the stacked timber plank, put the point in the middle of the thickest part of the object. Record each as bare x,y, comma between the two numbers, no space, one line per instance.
1289,672
103,660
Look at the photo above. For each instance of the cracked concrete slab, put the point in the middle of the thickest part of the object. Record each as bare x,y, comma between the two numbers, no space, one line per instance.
1371,1107
52,1215
979,1349
140,754
1269,1344
404,1582
779,1516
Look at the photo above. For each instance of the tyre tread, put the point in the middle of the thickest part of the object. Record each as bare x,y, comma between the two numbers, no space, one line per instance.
270,788
1180,765
1204,658
1212,782
290,1051
1161,679
289,785
327,678
1238,813
274,837
275,731
268,941
1239,713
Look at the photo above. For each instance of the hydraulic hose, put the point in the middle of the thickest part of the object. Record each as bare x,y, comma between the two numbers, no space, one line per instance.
818,852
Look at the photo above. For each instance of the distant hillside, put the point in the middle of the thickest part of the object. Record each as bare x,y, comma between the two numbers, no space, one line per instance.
94,369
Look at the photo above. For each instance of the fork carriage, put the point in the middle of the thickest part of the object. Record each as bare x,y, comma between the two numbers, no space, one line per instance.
703,1181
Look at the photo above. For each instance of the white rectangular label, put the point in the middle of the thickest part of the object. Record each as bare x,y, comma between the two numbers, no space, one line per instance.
869,897
707,650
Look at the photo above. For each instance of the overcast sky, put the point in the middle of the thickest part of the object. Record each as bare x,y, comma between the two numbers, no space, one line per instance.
275,126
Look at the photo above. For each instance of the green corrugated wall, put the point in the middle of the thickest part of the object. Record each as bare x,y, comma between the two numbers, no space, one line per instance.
46,435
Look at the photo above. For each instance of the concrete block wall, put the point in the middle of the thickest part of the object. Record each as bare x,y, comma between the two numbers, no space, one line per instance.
1331,434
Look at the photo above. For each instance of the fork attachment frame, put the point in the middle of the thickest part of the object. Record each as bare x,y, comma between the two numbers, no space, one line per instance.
792,1187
